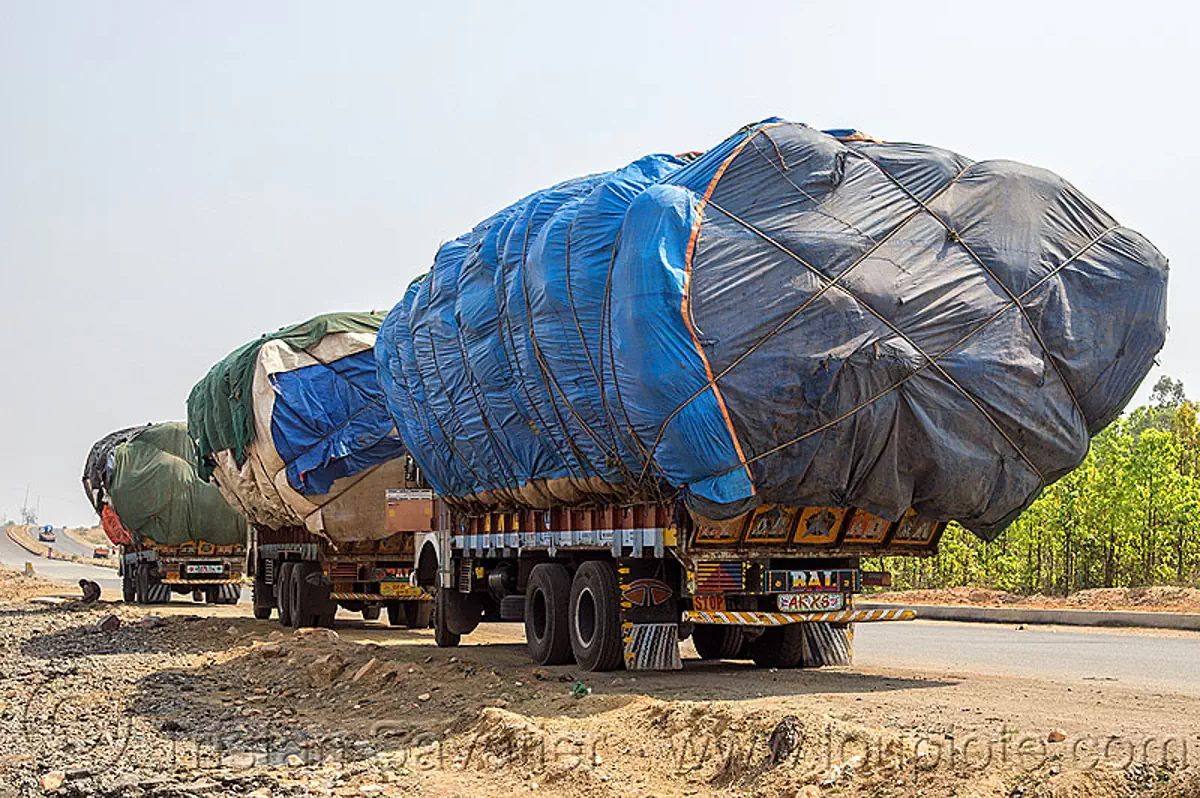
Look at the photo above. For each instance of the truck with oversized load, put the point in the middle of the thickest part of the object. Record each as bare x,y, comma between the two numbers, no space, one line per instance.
174,532
293,429
687,397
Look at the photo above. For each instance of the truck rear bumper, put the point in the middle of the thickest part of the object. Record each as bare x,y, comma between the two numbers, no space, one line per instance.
183,581
409,594
748,618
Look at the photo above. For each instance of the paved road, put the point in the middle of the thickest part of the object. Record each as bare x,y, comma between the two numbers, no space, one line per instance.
1141,660
13,556
66,544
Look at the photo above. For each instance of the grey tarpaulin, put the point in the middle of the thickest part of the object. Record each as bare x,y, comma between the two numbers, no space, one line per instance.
794,317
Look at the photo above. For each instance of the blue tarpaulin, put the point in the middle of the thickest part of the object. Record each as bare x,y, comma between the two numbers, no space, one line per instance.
794,317
329,421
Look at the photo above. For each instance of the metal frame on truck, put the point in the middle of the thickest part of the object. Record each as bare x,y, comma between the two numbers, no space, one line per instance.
621,586
307,577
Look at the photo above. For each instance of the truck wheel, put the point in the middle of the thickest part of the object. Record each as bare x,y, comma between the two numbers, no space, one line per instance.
261,598
283,592
778,647
371,613
442,634
296,604
719,642
547,614
199,595
307,607
595,613
418,614
128,588
397,616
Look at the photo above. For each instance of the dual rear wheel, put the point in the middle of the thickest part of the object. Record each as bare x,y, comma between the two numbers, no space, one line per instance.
574,617
300,597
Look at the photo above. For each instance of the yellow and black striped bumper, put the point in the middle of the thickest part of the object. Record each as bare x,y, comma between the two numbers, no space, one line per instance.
748,618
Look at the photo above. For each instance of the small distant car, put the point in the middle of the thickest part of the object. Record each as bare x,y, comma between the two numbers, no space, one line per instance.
101,552
46,534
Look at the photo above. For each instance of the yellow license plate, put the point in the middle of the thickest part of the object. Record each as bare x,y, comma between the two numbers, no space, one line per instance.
395,589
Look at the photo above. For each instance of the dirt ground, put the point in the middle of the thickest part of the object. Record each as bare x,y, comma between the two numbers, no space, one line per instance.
16,586
181,704
1150,599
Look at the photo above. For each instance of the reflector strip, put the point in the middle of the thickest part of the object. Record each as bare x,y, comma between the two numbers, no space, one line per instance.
732,618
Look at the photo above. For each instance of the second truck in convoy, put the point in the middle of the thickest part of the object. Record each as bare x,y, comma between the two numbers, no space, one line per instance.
293,430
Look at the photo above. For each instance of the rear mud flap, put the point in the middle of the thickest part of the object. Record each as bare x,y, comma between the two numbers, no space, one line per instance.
649,616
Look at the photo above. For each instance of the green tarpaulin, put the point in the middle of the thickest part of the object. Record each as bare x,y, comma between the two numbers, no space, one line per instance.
221,406
157,493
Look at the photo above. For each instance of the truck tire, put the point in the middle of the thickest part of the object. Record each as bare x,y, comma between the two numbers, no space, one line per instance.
418,614
442,634
128,588
141,582
595,615
371,613
778,647
547,614
309,606
283,592
397,613
261,598
713,641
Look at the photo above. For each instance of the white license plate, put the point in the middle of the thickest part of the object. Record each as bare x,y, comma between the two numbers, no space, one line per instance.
204,568
810,602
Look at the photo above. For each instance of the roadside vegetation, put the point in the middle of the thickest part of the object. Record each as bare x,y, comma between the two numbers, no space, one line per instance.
1125,518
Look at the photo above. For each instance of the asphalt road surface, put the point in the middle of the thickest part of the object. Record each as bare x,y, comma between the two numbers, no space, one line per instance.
1141,660
65,544
15,557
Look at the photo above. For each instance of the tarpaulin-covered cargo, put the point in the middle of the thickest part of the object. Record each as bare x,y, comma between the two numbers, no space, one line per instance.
294,429
143,483
794,317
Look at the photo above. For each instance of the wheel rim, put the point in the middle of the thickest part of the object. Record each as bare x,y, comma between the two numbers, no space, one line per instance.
538,614
585,617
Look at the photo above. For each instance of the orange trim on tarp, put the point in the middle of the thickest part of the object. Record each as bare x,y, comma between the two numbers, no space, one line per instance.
684,305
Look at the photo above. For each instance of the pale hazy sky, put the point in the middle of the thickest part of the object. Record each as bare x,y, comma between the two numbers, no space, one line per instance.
178,177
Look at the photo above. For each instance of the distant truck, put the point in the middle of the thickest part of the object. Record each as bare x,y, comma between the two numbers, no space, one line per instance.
150,573
174,532
46,534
